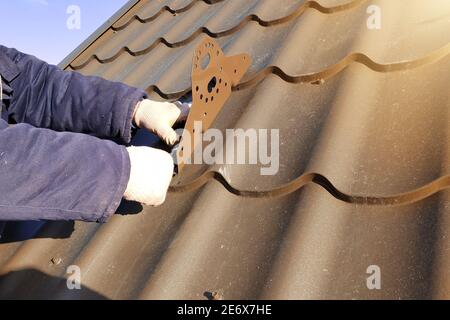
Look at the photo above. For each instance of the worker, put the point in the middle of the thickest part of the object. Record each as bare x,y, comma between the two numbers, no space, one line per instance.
63,139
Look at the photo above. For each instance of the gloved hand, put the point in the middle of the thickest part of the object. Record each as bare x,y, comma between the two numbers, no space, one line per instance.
150,176
159,118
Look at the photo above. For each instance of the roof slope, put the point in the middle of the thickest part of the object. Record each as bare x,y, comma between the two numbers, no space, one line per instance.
367,109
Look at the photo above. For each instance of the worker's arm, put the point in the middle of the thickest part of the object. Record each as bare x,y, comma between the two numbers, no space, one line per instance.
59,176
53,175
47,97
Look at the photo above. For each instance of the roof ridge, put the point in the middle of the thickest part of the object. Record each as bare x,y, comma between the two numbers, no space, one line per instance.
160,11
405,198
310,4
326,73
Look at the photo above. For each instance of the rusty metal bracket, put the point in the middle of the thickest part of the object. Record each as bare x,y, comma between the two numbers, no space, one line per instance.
213,76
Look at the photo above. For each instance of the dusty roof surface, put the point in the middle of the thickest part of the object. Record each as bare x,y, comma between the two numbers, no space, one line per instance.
366,109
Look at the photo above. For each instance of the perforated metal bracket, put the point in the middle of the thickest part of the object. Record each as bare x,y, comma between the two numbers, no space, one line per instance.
213,76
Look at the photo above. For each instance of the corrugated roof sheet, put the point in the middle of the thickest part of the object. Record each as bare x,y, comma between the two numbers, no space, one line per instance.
367,109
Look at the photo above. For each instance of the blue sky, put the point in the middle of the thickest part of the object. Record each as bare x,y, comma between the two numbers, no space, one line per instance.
39,27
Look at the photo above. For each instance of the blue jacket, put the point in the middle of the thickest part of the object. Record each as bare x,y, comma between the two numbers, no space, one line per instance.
57,157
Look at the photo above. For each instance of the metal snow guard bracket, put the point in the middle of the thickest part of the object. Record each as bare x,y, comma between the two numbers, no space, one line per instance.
213,77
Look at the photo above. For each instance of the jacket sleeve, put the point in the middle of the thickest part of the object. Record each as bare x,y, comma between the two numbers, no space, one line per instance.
47,97
49,175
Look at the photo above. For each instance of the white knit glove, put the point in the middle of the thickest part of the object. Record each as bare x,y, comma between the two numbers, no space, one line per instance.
159,118
150,176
